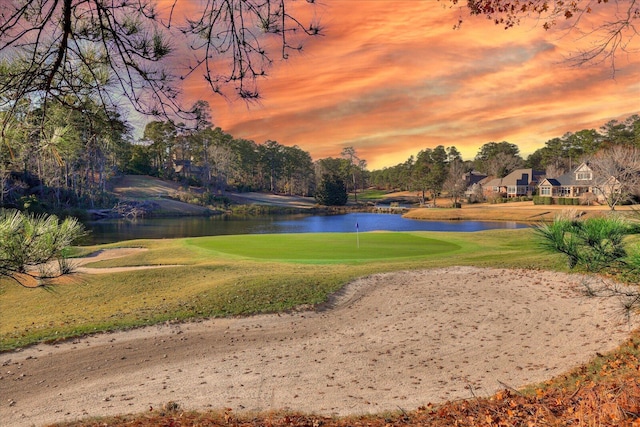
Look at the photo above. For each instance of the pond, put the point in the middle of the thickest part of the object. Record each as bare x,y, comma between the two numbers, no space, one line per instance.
108,231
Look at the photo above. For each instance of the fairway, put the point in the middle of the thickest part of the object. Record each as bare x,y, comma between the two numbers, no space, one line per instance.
325,247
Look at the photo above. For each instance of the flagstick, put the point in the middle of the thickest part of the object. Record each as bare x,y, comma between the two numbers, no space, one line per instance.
357,235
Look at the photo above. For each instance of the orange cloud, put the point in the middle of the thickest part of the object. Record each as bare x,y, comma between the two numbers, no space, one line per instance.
391,78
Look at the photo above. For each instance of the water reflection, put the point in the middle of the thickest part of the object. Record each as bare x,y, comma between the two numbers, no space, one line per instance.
108,231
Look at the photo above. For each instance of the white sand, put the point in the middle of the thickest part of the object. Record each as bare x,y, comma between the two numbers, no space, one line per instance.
397,340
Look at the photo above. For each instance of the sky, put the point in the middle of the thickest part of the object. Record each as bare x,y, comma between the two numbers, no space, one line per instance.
392,77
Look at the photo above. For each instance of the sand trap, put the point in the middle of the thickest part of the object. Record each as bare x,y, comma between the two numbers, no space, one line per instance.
105,254
397,340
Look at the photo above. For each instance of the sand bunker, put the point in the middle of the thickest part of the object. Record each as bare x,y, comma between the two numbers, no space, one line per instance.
389,341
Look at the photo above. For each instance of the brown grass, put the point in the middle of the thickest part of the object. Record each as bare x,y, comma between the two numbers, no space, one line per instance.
514,211
146,188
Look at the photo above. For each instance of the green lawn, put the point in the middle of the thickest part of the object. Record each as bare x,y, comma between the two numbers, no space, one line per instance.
326,248
240,275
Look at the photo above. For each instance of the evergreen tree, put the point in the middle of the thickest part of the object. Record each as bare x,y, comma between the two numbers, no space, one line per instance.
331,191
31,243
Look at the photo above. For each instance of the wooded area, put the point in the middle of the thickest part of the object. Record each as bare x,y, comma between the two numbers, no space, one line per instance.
68,69
62,158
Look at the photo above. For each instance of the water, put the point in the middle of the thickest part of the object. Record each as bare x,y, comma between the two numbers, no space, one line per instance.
108,231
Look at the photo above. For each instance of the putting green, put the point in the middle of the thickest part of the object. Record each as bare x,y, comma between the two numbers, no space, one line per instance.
325,247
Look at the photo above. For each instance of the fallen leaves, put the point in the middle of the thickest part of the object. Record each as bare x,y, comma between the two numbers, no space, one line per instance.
608,404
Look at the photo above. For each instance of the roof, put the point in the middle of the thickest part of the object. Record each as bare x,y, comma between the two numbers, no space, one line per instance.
517,177
474,177
569,178
551,181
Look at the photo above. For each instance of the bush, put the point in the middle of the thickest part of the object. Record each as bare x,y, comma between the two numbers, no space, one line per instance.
30,240
546,200
331,191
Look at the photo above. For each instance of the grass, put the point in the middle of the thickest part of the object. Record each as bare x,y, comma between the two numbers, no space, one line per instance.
370,195
327,248
231,275
226,275
512,211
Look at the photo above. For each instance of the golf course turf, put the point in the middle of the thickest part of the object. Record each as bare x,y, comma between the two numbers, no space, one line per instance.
326,248
221,276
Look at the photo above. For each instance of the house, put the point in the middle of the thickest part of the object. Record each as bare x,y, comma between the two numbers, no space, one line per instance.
577,183
473,177
520,182
474,181
186,168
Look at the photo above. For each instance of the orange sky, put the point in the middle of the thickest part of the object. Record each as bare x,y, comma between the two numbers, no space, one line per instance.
392,77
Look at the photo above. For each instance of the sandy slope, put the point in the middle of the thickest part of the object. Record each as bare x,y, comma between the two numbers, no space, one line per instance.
397,340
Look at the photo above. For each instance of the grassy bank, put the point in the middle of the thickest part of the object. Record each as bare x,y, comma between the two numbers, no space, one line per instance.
239,275
513,211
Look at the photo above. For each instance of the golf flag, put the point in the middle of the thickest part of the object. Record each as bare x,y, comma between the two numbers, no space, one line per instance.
357,236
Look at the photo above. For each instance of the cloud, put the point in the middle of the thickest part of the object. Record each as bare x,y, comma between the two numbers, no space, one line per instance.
391,78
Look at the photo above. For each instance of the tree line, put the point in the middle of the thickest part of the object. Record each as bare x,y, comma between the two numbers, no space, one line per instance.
431,168
64,156
67,67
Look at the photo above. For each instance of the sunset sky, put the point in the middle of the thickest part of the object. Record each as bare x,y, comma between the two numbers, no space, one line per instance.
392,77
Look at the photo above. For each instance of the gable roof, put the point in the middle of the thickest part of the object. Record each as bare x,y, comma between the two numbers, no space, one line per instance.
518,177
583,167
569,179
474,177
550,181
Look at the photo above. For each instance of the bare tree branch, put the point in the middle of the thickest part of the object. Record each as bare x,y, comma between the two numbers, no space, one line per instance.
69,50
616,173
608,38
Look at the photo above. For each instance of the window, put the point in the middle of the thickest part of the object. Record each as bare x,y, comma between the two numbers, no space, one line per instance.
584,176
545,191
564,191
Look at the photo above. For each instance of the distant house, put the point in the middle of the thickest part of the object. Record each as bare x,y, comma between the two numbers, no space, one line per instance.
577,183
186,168
520,182
474,181
473,177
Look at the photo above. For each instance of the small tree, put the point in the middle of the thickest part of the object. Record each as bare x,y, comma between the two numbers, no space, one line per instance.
477,194
616,172
31,245
455,184
597,245
353,162
331,191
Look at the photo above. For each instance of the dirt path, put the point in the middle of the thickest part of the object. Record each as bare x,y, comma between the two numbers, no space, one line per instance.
397,340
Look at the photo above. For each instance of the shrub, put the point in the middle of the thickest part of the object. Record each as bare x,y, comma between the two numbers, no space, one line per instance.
331,191
30,240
